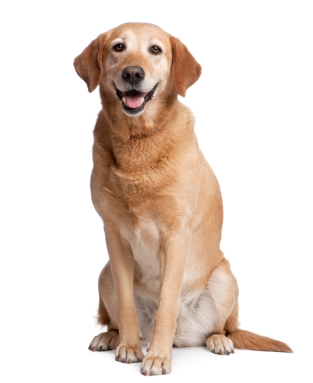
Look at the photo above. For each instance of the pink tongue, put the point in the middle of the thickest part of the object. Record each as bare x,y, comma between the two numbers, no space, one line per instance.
133,101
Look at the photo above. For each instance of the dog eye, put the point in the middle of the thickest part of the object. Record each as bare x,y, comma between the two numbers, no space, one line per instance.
118,47
155,49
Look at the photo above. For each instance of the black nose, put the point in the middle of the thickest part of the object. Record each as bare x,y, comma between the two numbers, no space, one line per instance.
133,74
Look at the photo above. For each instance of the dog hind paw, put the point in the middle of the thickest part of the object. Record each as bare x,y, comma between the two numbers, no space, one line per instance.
220,344
105,341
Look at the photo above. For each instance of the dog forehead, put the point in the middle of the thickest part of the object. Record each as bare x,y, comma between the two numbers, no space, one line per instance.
139,35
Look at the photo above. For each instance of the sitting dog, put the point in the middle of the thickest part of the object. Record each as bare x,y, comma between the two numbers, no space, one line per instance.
167,281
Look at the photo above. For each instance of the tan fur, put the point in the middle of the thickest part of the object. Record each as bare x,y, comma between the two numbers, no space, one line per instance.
167,280
248,341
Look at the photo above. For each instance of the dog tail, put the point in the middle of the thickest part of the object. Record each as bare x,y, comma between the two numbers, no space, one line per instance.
245,340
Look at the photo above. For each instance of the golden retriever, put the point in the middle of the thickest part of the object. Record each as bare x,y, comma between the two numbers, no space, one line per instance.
167,281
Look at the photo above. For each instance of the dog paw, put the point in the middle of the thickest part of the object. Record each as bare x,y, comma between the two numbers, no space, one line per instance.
105,341
155,365
129,354
220,344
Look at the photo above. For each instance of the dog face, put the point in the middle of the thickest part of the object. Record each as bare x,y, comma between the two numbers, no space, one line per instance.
137,65
134,63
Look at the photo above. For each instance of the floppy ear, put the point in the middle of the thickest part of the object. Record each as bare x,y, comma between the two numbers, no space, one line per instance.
88,64
185,69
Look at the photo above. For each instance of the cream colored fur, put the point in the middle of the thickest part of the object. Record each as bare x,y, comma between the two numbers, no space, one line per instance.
167,281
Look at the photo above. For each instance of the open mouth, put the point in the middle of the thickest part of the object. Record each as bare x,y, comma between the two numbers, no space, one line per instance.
134,101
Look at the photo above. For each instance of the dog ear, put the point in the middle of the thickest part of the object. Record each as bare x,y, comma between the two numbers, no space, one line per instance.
185,69
88,64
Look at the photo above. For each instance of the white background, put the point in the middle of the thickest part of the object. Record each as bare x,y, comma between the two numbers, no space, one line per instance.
254,120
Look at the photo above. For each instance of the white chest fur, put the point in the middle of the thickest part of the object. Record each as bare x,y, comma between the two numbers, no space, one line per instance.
144,240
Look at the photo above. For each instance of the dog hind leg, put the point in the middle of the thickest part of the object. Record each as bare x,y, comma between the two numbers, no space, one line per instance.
224,291
108,340
227,336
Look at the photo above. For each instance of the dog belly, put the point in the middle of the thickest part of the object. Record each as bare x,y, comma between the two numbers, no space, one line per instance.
196,318
197,310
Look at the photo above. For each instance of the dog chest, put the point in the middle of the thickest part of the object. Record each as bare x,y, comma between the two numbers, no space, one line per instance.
144,240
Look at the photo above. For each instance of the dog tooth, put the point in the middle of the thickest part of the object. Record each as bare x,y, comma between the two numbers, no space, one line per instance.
124,101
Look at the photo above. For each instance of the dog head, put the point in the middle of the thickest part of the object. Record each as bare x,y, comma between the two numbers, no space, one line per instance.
135,63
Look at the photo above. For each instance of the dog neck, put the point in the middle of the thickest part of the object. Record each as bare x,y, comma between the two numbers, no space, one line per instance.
138,143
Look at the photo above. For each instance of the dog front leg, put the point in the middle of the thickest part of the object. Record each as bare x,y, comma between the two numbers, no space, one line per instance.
173,254
122,263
